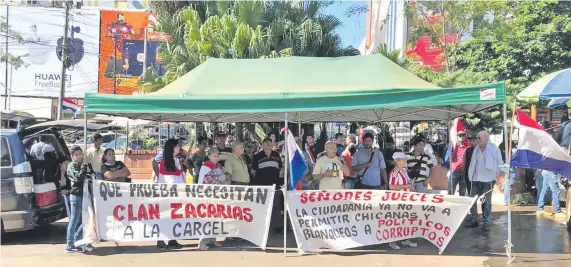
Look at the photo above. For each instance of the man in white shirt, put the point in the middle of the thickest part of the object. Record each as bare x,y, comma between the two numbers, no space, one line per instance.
40,148
329,169
485,168
94,155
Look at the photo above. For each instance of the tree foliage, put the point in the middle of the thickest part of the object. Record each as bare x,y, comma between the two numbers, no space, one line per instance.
534,41
13,37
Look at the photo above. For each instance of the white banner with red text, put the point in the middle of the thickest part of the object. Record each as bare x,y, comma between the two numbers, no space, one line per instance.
128,212
342,219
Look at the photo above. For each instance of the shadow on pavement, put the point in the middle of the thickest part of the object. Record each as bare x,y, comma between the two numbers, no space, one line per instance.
530,234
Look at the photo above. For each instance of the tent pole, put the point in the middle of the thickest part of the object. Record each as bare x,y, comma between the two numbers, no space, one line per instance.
285,187
507,147
299,133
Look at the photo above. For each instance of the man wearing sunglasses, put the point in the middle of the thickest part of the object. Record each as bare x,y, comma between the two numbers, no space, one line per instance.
457,164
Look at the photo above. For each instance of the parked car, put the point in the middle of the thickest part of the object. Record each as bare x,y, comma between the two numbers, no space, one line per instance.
107,138
401,135
31,190
119,143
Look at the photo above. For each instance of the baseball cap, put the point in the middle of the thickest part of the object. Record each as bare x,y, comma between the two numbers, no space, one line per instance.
399,155
267,139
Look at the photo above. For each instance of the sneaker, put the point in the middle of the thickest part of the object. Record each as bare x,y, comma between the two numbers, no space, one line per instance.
541,213
472,224
560,215
486,228
174,245
161,245
394,246
88,248
72,249
409,243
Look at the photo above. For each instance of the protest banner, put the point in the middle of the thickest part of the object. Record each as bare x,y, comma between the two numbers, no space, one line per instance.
128,212
342,219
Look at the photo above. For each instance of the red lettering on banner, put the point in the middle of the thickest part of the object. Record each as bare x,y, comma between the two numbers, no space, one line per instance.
175,207
212,211
221,211
440,242
130,215
116,212
446,231
248,215
368,195
142,214
337,196
189,211
437,199
237,211
154,212
200,211
348,195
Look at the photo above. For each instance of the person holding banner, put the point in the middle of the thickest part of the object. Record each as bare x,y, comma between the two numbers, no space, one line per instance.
77,173
170,172
399,181
211,173
329,170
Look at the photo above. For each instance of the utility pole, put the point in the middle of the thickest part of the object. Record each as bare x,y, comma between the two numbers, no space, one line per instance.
63,60
8,58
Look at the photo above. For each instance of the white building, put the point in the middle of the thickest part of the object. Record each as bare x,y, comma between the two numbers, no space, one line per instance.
386,24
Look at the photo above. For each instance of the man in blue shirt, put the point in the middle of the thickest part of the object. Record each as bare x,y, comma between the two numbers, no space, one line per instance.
373,174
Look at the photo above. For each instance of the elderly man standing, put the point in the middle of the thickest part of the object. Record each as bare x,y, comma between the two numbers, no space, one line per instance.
235,166
485,168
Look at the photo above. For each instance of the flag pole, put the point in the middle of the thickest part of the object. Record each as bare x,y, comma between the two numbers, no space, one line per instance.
508,149
284,188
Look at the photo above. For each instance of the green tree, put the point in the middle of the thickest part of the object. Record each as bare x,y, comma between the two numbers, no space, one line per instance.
534,40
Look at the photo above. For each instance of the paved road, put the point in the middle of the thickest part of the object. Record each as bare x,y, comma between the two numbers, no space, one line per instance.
538,242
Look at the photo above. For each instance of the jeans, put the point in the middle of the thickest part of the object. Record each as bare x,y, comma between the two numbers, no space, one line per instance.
457,178
74,227
482,189
420,187
508,185
550,181
539,187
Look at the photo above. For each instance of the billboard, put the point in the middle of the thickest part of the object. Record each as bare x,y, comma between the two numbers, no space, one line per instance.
121,50
40,46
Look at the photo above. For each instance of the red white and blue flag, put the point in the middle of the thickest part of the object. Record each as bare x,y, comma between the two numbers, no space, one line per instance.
71,106
297,163
538,150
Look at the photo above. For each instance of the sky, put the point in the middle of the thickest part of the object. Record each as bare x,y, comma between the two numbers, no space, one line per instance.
353,29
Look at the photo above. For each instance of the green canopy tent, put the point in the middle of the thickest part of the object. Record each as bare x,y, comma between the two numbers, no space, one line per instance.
361,88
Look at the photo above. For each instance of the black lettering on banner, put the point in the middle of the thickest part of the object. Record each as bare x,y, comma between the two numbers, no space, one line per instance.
367,229
428,208
188,229
156,190
154,231
446,211
404,207
174,232
148,190
128,232
303,213
205,229
164,190
174,191
196,228
333,234
103,191
216,189
384,206
188,190
132,189
426,215
249,196
208,192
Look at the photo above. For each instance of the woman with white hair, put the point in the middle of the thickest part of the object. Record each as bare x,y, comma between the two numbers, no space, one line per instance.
211,173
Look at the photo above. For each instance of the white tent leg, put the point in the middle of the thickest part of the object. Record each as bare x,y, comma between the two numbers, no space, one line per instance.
508,243
285,187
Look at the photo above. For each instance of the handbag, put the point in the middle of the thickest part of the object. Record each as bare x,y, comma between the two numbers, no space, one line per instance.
359,177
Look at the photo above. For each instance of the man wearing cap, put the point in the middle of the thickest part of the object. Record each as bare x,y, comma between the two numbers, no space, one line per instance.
369,165
457,165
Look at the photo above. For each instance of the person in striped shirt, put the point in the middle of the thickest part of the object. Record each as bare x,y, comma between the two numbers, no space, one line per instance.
399,181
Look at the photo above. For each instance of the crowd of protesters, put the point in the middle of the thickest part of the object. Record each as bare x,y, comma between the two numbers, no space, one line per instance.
474,165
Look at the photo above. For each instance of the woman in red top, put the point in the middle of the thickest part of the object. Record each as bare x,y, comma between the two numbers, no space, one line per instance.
399,181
